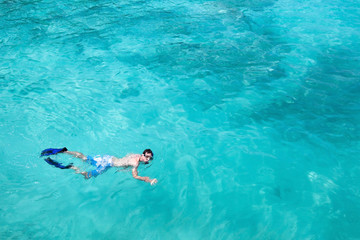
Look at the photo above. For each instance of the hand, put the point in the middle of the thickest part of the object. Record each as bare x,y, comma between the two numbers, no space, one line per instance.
153,182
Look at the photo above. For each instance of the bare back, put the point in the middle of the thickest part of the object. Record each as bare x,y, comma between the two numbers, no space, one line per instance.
130,160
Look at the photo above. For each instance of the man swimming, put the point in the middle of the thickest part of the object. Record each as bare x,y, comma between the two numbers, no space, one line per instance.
103,163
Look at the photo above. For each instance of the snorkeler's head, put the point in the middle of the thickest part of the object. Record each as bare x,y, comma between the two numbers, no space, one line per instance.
148,151
147,156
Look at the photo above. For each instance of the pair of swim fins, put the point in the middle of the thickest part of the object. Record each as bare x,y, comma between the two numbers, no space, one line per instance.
53,151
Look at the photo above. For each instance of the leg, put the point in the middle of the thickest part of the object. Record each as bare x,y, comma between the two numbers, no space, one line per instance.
77,171
87,175
77,154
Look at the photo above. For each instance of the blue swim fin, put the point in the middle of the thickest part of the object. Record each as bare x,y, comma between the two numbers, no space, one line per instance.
57,164
52,151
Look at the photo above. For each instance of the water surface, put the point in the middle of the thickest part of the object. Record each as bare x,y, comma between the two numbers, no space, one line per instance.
251,109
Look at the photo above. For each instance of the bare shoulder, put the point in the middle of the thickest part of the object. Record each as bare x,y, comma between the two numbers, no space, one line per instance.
133,159
133,156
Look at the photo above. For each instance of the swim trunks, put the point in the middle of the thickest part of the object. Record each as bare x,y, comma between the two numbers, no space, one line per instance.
102,163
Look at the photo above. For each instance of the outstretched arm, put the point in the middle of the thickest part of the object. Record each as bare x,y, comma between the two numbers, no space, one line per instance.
145,179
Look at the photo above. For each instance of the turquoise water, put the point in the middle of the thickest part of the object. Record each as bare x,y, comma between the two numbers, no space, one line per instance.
251,108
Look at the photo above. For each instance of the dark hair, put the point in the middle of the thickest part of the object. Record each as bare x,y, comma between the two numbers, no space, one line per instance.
148,151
